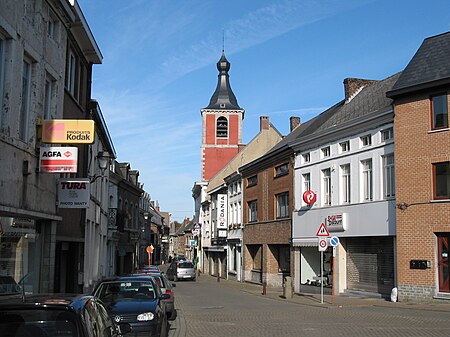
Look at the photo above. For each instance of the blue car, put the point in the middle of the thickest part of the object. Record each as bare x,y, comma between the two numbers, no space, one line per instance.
46,315
137,301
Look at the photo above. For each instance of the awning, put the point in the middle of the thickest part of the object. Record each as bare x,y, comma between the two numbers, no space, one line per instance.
305,242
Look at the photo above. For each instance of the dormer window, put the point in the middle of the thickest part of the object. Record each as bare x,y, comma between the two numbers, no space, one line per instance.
222,127
366,140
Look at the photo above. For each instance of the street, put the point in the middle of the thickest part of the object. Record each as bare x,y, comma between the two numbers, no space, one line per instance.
227,308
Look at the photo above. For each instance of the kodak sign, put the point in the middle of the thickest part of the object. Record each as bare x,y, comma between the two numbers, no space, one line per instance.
68,131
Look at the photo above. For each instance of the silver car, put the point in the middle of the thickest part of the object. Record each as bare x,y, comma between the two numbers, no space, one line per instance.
181,270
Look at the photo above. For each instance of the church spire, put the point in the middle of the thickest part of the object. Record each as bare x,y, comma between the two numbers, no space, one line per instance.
223,97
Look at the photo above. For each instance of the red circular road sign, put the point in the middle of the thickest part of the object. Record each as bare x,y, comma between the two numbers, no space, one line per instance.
309,197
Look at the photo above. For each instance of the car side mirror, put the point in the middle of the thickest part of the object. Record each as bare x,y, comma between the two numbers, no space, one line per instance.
124,328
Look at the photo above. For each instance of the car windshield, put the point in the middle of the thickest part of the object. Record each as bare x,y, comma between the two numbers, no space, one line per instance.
37,323
112,291
185,265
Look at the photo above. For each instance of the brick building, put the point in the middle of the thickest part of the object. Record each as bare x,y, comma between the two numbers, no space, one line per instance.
422,159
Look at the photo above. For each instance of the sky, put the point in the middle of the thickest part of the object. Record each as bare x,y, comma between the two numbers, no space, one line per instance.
288,58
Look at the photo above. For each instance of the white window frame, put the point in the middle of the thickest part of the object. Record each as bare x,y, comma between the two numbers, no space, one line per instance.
282,200
387,134
326,187
345,184
367,179
326,152
253,211
306,157
366,140
389,176
344,146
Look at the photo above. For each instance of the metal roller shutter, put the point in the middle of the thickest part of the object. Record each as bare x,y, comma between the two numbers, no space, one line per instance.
370,264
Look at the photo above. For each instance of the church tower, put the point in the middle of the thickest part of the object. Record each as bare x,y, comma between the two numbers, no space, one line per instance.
221,125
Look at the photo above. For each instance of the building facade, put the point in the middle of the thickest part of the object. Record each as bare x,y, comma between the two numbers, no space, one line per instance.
422,164
345,156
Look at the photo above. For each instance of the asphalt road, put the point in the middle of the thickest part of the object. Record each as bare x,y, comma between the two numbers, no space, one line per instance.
218,309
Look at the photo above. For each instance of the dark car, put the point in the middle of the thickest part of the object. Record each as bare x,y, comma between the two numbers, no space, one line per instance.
166,288
181,270
56,315
136,300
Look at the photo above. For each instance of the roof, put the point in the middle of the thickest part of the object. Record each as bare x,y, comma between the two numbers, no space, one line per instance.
223,97
430,66
370,100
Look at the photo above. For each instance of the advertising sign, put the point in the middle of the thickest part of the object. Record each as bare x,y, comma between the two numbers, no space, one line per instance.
309,197
68,131
74,193
222,211
58,159
336,222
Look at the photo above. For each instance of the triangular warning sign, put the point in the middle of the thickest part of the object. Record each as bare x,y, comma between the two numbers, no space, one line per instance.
322,231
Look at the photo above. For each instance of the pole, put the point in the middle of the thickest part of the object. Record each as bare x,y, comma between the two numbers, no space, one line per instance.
148,259
332,277
321,277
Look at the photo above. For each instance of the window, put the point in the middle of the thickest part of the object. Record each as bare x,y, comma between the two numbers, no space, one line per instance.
366,140
222,127
252,211
306,182
367,180
74,76
282,170
25,100
252,181
345,146
306,158
282,205
326,186
439,108
441,175
389,176
387,134
325,152
345,183
49,89
52,26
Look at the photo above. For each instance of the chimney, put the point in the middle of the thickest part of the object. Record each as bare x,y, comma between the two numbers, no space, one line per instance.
353,86
263,123
294,122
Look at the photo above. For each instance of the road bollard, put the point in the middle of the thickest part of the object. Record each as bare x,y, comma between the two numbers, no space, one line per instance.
264,285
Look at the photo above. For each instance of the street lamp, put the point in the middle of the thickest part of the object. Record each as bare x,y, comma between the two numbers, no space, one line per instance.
103,158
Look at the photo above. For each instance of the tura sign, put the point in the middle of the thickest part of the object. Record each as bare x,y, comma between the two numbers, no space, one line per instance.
68,131
74,193
58,159
222,211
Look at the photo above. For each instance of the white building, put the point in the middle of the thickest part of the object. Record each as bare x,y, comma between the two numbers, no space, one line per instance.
345,156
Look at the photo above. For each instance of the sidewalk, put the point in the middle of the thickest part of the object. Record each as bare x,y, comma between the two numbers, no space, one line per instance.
337,301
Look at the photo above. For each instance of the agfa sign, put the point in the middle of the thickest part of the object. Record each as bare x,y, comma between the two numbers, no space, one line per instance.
58,159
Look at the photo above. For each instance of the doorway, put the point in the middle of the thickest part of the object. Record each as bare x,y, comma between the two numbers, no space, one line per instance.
443,262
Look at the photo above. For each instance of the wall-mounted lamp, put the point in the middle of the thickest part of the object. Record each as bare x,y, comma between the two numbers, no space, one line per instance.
103,158
146,215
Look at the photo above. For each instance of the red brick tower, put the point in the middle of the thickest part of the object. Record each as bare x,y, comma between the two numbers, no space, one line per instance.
221,125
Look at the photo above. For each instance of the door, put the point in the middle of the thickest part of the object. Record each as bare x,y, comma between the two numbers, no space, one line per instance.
443,262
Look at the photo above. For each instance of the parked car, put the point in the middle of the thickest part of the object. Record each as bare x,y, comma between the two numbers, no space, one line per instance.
51,315
181,270
8,285
166,288
136,300
148,269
